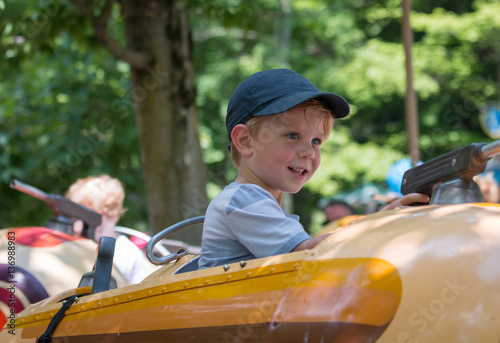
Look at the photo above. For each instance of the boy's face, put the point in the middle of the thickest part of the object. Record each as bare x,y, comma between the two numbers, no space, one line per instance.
286,150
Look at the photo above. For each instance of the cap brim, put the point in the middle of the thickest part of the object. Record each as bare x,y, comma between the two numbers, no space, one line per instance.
338,105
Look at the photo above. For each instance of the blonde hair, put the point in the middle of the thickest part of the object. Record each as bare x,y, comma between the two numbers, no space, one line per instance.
102,194
254,124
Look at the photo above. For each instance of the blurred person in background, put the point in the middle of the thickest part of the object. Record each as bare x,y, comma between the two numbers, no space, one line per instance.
336,209
489,187
105,195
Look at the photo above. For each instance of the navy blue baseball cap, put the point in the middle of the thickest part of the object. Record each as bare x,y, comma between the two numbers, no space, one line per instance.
276,91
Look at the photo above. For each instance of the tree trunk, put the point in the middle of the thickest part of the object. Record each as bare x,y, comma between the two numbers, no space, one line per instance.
163,94
411,105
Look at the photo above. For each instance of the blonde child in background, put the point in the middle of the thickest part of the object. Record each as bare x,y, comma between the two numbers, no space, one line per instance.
105,195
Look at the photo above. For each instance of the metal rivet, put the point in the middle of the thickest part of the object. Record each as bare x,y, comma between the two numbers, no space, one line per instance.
116,300
82,308
272,270
164,289
242,264
226,267
99,303
207,281
228,277
249,273
129,297
453,162
186,284
149,293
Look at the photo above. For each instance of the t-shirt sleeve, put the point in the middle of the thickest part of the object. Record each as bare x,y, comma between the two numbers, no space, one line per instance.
261,225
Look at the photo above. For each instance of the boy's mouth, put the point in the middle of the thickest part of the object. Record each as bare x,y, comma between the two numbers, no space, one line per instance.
298,171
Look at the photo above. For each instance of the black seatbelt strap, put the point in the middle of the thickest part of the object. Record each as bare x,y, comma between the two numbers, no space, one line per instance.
47,335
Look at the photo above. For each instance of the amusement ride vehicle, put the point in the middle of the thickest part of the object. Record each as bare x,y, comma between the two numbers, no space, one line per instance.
421,274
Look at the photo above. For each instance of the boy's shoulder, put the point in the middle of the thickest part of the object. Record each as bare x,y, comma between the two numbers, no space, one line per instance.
236,190
241,195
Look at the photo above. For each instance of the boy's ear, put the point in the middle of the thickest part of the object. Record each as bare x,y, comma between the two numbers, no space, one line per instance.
242,141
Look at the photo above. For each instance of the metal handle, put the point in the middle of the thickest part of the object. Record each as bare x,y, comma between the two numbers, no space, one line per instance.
491,149
30,190
164,234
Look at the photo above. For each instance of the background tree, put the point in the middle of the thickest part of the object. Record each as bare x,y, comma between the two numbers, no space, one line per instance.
158,50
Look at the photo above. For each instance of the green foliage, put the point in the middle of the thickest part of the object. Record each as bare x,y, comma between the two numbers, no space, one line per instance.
345,163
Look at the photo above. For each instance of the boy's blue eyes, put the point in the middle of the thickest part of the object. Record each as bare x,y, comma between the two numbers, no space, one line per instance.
296,136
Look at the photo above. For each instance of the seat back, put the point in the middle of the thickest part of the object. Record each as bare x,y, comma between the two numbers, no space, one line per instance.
189,267
100,277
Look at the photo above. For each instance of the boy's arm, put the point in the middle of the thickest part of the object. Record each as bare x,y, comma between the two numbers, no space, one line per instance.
310,243
407,201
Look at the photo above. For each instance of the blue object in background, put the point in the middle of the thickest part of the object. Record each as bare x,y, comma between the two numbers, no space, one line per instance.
489,119
394,176
493,166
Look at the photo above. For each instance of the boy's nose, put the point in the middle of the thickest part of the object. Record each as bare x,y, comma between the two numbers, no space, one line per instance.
307,151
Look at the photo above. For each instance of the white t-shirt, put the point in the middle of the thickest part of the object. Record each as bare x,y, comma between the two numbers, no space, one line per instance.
130,261
244,222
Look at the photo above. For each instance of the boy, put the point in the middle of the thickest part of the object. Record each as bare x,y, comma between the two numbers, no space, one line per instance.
276,121
105,195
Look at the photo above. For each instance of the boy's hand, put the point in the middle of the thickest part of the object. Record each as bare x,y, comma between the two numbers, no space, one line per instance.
407,200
